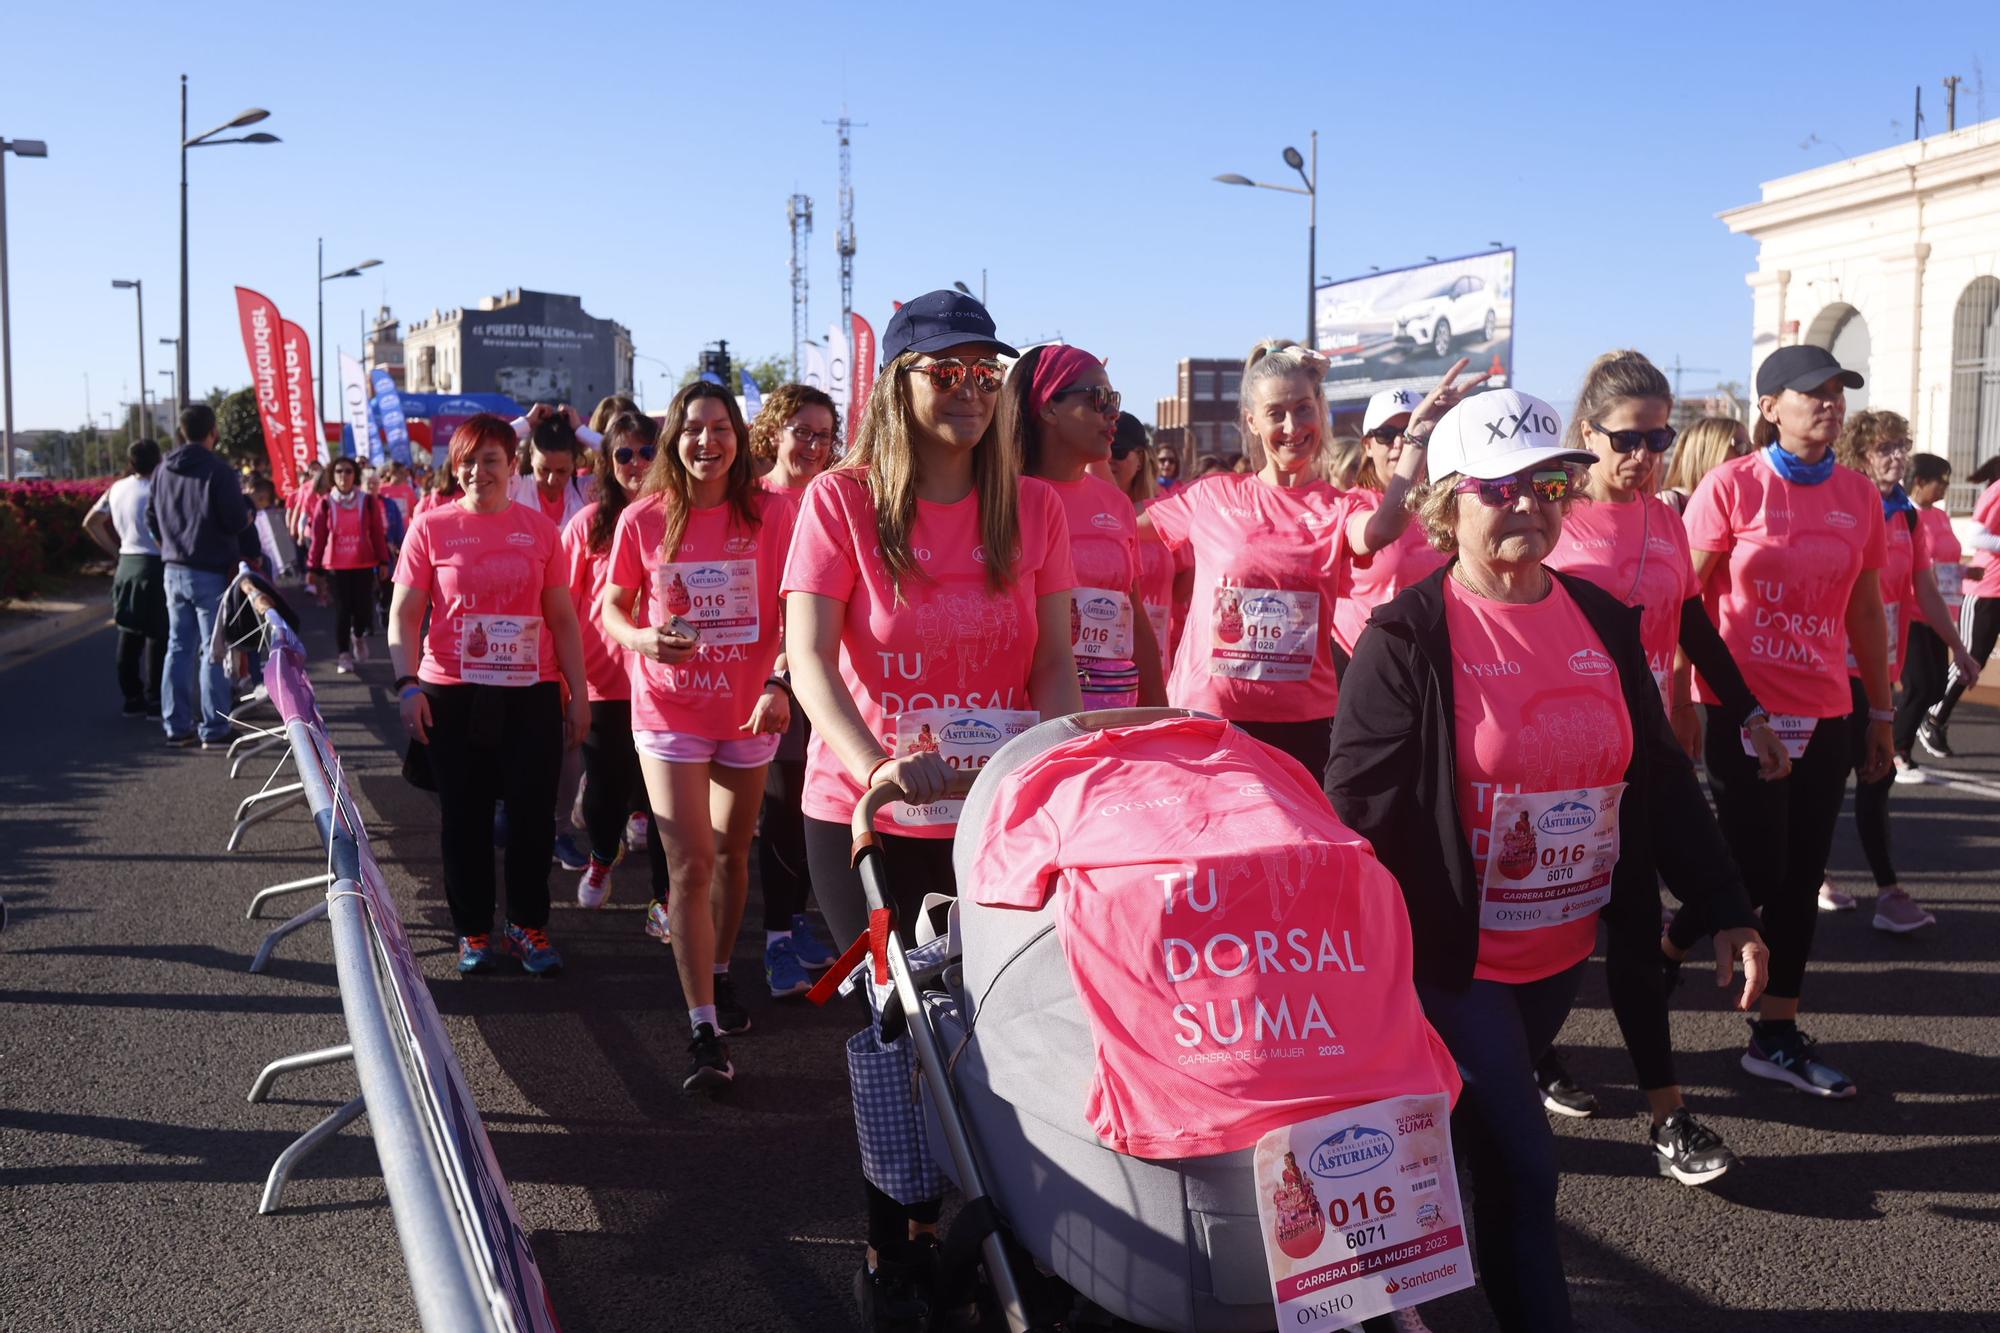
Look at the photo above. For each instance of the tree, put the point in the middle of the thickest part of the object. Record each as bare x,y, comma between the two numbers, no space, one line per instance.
240,430
768,372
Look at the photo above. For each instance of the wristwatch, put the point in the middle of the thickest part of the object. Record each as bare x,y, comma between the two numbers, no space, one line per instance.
1756,717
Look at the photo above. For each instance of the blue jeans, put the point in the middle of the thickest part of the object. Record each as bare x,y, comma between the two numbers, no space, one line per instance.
1496,1032
193,598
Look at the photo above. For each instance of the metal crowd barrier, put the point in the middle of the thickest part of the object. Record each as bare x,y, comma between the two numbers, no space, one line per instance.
467,1255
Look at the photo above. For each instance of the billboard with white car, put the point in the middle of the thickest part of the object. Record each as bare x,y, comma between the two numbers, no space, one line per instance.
1403,329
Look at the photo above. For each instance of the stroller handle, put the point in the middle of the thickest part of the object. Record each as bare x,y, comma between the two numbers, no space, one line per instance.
886,792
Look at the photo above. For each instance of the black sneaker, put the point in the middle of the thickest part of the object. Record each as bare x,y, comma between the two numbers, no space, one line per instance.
1561,1093
1931,735
186,742
1688,1150
1789,1056
708,1061
890,1298
730,1015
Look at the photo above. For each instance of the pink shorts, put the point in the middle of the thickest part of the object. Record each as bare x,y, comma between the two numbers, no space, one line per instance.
677,747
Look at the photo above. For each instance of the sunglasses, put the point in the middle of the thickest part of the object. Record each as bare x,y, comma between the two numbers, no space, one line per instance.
809,438
1385,434
1104,400
1550,485
1625,441
947,373
625,453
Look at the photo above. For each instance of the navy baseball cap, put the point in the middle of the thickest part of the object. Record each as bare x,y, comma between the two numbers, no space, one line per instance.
936,321
1803,367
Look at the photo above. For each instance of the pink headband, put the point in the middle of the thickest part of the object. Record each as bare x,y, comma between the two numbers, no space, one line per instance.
1055,370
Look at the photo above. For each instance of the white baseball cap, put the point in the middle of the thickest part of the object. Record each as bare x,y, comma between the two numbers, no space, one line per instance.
1499,433
1387,405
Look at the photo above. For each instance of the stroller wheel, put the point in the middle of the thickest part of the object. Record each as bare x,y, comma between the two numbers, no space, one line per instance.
965,1300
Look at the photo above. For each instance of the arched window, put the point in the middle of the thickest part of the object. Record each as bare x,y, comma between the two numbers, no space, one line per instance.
1841,330
1974,425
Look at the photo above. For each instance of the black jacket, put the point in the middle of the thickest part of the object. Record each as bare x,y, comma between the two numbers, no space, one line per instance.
1393,779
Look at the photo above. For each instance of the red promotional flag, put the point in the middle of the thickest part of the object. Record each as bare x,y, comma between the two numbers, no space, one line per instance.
263,331
300,406
861,373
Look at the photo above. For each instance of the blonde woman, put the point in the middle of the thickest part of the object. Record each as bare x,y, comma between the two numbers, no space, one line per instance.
1706,443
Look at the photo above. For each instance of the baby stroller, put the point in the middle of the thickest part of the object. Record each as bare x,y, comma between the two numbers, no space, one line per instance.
1067,1231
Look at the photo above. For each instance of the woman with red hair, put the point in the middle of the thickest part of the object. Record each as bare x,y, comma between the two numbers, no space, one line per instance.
490,574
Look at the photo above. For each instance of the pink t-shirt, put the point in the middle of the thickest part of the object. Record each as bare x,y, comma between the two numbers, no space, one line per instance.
1269,566
1538,708
1904,556
1779,599
1637,552
1104,552
949,643
347,544
1986,513
1946,552
1156,590
1407,560
1245,965
724,578
476,566
604,669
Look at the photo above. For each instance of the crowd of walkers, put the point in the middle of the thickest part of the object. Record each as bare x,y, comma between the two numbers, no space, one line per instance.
702,633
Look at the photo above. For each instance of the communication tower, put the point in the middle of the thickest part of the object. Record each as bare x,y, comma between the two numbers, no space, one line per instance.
844,242
799,212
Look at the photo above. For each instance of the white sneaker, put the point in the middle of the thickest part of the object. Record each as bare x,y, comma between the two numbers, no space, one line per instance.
1833,900
635,832
360,649
1897,912
1909,774
595,885
344,664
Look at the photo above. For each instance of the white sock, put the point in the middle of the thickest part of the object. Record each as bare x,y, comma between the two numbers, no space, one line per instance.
722,969
702,1013
771,937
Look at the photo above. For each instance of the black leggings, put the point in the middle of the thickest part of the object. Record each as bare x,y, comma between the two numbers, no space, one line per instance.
912,868
1926,669
1871,799
353,606
614,787
1780,835
142,664
1310,742
1979,626
488,743
781,850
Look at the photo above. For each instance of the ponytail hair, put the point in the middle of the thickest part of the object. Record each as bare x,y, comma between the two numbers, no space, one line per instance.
1614,378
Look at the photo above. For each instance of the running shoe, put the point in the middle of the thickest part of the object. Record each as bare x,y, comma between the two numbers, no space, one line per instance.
636,829
567,854
595,886
730,1015
1788,1057
1931,735
475,954
813,952
531,945
1908,773
708,1061
890,1297
1897,912
360,650
1561,1093
135,710
656,923
1688,1150
783,971
1833,900
183,742
344,664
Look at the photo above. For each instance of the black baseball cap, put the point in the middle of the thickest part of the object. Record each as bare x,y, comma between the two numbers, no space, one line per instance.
938,320
1802,367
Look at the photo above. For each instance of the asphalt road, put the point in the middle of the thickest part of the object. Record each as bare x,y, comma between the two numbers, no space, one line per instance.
130,1163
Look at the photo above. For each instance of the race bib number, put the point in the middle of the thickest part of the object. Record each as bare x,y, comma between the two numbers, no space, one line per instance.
1360,1212
500,650
964,738
1892,619
1100,624
1951,585
717,597
1794,733
1263,634
1550,857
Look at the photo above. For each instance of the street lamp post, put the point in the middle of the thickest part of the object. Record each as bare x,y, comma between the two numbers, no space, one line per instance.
1298,162
178,404
19,148
139,291
324,279
207,140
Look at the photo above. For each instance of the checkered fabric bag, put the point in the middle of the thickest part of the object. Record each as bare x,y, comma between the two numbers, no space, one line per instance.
888,1121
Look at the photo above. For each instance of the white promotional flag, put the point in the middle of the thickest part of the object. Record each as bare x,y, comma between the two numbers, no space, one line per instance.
837,377
354,406
812,365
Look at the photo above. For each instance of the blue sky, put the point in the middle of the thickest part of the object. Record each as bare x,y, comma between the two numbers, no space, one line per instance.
641,156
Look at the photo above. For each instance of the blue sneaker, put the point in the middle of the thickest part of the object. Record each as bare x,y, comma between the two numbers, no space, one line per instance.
568,855
813,952
532,947
475,954
1788,1057
782,970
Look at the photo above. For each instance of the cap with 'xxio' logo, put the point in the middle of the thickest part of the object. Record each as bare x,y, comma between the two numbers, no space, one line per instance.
1497,434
